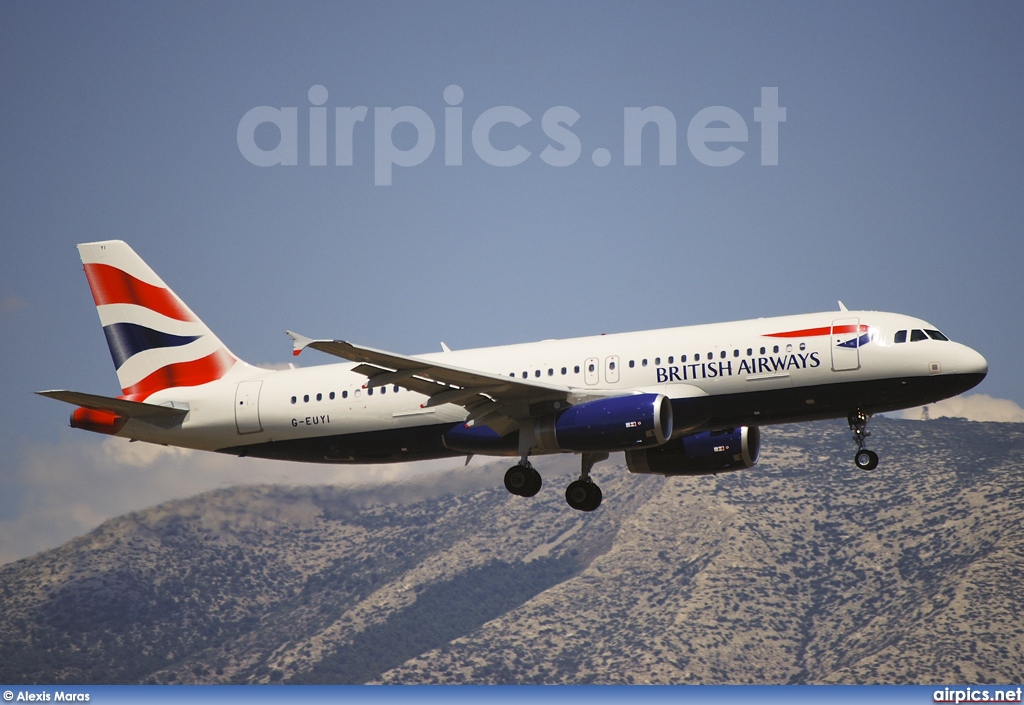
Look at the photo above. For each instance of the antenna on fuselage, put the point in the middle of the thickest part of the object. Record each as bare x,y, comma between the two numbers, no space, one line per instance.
842,306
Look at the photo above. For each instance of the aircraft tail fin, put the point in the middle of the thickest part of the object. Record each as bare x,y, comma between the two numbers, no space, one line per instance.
155,340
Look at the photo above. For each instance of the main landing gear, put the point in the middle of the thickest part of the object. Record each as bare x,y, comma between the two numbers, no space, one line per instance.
582,494
864,459
522,479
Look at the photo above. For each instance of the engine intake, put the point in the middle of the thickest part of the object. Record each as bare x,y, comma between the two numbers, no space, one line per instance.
702,453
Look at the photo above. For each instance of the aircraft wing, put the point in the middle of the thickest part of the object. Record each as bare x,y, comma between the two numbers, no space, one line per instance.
151,413
489,398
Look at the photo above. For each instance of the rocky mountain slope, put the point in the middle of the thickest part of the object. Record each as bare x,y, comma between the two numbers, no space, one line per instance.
802,569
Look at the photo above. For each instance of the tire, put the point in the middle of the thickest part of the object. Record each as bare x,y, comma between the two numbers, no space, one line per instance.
583,496
518,480
533,485
866,459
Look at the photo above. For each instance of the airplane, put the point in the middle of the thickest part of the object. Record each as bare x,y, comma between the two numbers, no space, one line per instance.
678,401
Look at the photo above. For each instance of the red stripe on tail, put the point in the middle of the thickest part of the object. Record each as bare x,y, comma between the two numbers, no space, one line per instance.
110,285
182,374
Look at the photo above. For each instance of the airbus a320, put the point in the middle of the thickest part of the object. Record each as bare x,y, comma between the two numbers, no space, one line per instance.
677,401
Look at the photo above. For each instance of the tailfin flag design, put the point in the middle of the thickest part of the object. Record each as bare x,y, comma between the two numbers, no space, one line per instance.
155,340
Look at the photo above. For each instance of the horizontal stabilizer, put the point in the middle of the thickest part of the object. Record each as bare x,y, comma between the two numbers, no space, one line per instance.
150,413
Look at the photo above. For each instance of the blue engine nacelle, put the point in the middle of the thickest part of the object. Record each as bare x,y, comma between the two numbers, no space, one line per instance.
703,453
615,423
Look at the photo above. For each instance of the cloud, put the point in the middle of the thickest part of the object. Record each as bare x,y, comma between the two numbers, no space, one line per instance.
12,303
62,490
973,407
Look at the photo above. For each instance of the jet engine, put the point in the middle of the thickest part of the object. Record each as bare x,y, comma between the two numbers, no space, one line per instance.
703,453
612,424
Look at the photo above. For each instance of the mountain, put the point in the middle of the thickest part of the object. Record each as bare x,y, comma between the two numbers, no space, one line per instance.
800,570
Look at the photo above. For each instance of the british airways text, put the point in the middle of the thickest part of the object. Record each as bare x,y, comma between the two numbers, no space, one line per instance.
726,368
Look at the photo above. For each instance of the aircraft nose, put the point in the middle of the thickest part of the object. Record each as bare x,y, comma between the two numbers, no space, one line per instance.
971,362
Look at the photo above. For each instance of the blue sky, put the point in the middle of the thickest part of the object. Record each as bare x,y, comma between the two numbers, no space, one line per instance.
897,184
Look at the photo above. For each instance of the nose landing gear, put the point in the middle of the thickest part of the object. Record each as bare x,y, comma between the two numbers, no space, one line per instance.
864,459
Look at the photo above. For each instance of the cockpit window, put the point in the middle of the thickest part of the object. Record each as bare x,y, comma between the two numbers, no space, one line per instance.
935,335
916,335
901,336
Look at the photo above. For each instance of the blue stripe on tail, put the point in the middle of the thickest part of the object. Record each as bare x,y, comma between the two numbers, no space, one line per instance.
128,339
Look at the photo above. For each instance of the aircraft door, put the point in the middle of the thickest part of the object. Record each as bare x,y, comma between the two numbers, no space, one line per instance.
611,369
247,406
846,340
591,374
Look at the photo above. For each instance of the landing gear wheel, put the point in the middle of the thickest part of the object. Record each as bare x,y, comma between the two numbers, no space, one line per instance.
866,459
583,495
523,480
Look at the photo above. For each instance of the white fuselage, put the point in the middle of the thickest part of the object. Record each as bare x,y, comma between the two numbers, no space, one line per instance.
761,371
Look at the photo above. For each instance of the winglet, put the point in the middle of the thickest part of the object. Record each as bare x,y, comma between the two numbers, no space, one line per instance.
445,348
299,342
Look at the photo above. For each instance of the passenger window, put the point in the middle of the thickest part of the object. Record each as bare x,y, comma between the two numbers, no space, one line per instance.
294,400
536,373
611,365
563,370
775,349
643,363
916,335
590,367
722,354
383,390
305,397
576,369
395,390
657,361
525,375
632,363
900,337
319,397
711,356
735,353
935,335
696,357
750,352
762,351
682,358
551,372
803,346
370,391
